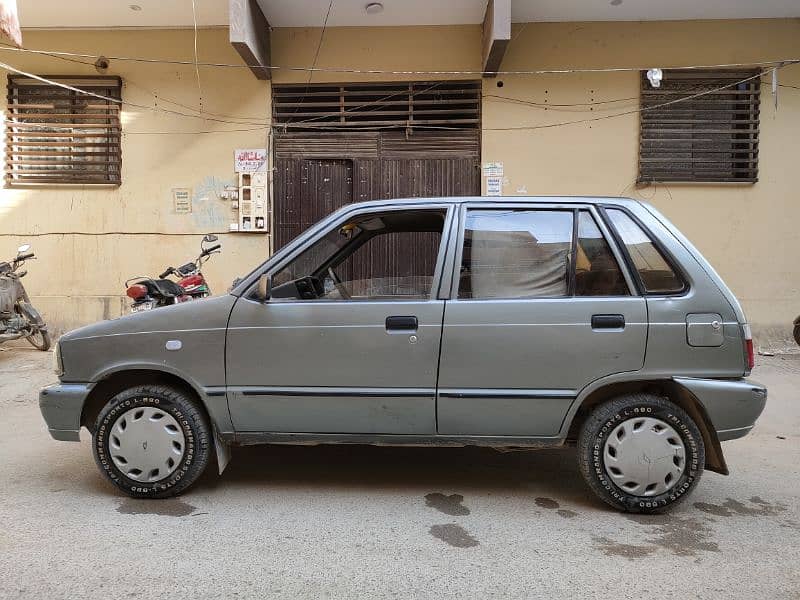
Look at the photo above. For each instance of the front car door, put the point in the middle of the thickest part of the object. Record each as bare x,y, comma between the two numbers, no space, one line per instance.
349,340
540,308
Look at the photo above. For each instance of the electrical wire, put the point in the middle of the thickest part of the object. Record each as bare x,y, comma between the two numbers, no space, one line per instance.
316,55
196,66
264,125
107,99
244,65
245,120
549,104
321,39
359,107
560,124
602,104
371,128
235,119
629,112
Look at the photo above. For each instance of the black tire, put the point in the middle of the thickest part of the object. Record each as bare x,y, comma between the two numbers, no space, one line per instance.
605,418
196,431
797,334
40,340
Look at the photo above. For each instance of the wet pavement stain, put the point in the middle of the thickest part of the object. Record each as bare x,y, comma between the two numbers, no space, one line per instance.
567,514
732,507
680,535
629,551
546,503
713,509
171,507
454,535
449,505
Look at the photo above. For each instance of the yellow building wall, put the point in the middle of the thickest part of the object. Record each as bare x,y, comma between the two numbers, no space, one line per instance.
89,240
748,232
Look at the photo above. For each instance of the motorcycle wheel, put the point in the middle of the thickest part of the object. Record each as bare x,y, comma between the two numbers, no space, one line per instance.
797,334
40,340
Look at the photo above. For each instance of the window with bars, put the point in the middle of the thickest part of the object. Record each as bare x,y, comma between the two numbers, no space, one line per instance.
700,126
378,105
59,136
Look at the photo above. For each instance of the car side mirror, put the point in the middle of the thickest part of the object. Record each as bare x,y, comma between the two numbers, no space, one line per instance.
264,287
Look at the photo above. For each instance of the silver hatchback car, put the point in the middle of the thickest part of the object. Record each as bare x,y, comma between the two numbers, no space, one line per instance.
508,322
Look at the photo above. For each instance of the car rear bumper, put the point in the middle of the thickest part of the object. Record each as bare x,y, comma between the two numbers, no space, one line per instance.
61,405
732,405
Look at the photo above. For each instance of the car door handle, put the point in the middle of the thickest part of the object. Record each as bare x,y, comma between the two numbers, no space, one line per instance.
608,322
401,323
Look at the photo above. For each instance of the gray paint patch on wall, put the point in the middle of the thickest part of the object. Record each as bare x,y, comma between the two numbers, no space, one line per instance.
209,213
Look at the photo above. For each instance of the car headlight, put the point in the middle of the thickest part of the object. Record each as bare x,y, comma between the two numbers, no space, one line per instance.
58,364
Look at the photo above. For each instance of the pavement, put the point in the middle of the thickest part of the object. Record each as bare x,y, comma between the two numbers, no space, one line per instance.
348,522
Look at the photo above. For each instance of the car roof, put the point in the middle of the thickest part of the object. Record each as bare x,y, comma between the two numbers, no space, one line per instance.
496,199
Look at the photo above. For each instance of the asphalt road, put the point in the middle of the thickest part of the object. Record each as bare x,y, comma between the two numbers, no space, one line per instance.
348,522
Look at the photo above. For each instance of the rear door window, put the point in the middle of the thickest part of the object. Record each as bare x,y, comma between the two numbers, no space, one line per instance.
657,275
511,253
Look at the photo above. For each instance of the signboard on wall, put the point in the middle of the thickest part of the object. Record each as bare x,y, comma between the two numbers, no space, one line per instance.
182,200
250,160
494,186
493,169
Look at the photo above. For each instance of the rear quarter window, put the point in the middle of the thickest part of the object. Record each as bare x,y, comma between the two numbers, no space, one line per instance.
655,271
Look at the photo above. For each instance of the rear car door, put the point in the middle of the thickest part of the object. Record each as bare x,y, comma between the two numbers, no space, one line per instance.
349,340
540,308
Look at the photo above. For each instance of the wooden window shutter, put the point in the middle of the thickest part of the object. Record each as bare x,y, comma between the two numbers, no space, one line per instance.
58,136
708,138
399,106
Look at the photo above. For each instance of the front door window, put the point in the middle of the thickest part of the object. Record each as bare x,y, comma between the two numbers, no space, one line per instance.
383,256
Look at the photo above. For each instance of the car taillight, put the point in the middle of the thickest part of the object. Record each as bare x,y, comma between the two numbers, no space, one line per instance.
136,291
748,345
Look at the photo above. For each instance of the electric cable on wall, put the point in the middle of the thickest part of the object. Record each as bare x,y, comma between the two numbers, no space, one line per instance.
359,71
352,128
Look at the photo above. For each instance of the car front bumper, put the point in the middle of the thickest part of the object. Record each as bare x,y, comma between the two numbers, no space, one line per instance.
61,405
732,405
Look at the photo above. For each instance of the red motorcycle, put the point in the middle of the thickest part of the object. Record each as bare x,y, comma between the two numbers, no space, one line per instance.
148,293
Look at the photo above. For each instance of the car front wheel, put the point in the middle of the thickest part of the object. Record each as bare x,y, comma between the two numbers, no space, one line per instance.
152,441
640,453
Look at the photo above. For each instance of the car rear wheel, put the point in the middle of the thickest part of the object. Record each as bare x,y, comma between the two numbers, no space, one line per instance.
152,441
640,453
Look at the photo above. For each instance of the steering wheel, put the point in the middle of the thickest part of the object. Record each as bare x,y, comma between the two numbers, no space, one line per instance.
338,283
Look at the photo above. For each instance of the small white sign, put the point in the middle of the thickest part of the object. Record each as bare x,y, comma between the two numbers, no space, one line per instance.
182,200
494,186
250,160
493,169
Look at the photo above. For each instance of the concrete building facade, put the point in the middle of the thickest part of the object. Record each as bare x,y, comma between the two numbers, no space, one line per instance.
570,133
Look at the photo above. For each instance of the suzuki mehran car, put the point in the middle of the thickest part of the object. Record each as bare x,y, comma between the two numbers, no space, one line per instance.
504,322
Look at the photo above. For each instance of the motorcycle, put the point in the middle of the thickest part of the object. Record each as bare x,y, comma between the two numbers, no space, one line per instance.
148,293
18,317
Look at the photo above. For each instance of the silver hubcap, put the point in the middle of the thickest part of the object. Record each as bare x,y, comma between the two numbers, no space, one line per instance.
644,456
146,444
